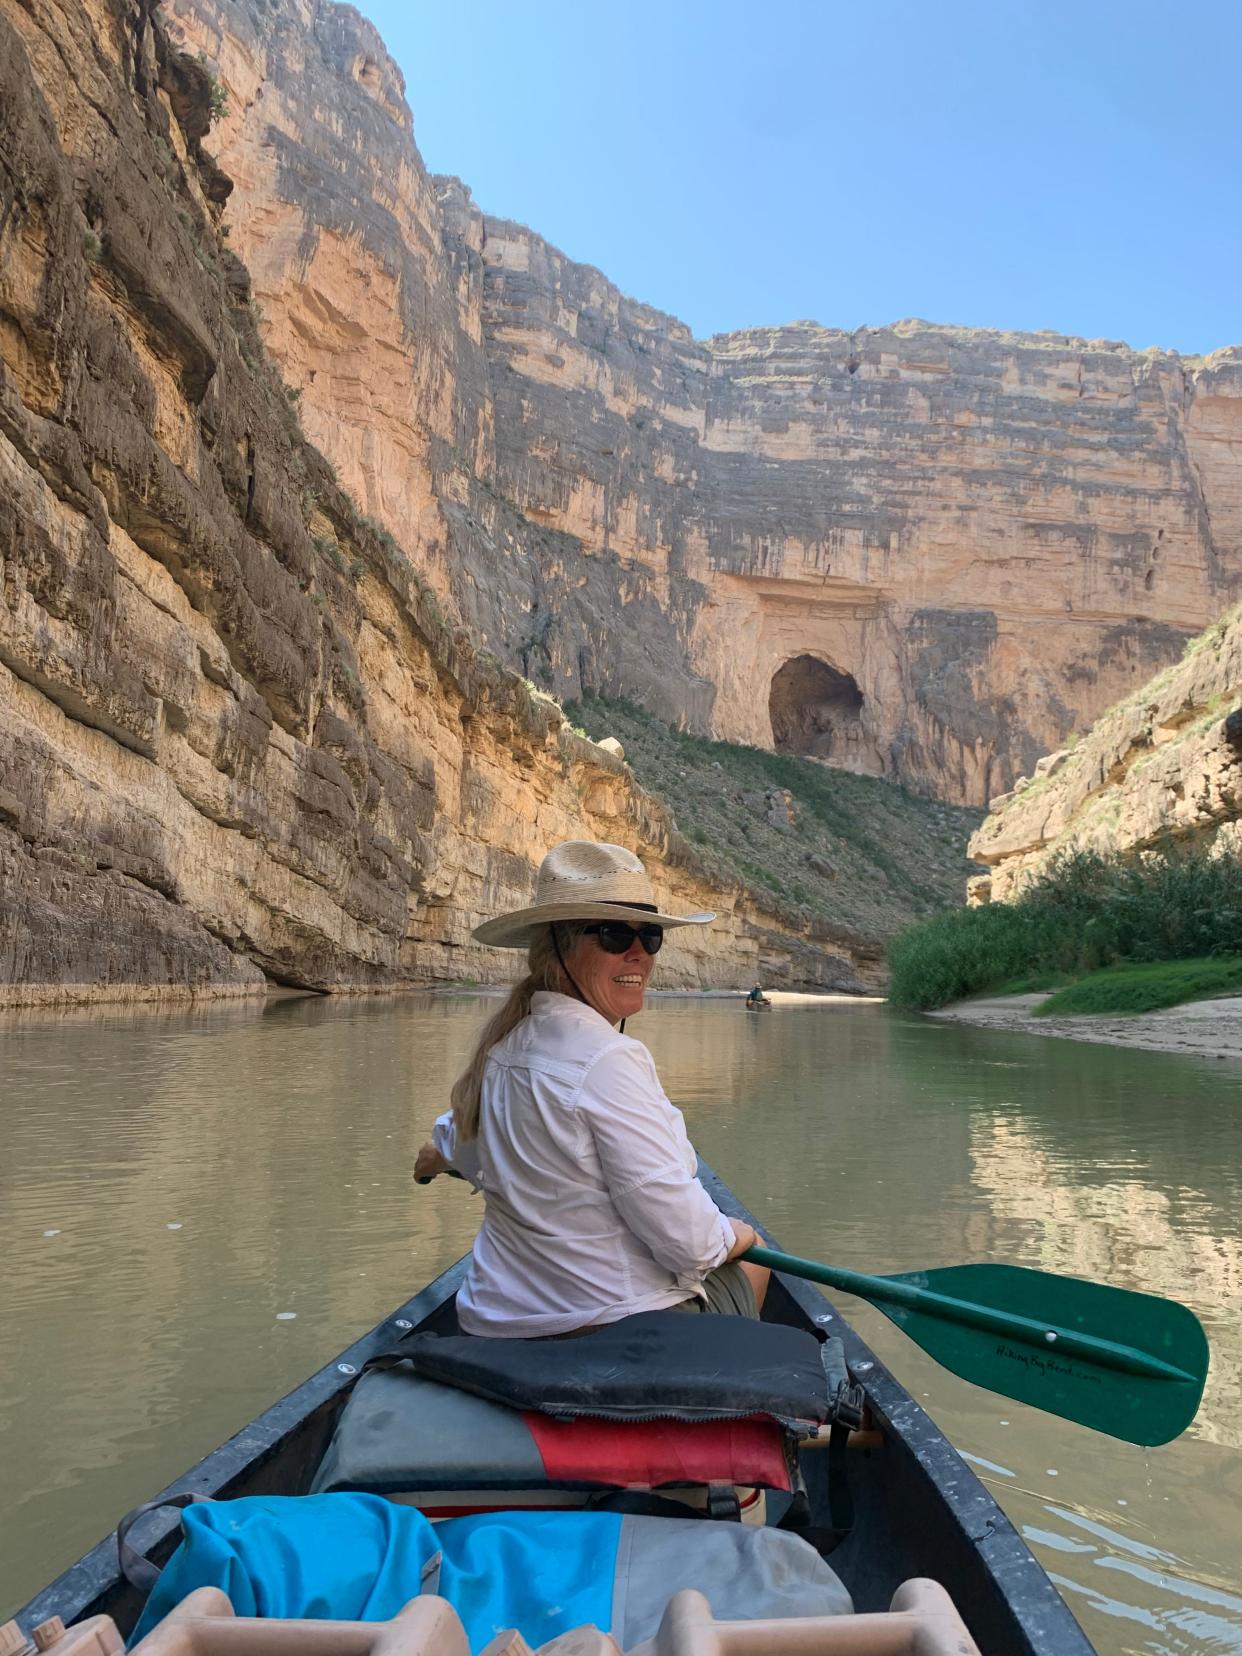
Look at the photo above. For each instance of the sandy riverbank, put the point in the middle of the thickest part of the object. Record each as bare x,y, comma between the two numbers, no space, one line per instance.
1204,1029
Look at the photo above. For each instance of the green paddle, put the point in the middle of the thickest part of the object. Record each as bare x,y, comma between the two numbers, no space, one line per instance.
1131,1365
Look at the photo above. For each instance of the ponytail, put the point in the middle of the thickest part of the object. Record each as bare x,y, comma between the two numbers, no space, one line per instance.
544,971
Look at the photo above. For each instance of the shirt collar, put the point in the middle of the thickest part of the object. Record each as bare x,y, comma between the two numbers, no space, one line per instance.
551,1001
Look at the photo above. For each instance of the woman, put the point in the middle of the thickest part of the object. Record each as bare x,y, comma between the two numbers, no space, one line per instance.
592,1207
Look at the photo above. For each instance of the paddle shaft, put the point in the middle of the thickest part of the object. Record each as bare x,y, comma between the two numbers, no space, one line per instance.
1051,1340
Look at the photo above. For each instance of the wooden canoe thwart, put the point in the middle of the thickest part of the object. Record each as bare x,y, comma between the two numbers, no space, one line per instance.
920,1516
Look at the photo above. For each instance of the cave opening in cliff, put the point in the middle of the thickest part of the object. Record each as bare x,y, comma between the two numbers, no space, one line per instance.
815,709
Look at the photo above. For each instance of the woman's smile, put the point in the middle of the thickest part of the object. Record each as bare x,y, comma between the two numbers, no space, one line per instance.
613,984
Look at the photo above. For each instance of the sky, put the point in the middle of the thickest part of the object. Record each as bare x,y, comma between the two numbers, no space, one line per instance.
1018,164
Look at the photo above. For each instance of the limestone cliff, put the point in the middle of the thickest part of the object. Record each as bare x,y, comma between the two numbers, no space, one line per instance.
922,552
238,740
1164,765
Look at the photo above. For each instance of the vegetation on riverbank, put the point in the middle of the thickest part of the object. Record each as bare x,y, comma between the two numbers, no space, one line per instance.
864,852
1085,912
1124,989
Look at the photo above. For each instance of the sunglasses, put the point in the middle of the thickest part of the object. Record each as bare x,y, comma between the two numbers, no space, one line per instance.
615,937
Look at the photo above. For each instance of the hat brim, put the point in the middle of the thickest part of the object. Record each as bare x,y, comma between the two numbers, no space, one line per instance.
512,931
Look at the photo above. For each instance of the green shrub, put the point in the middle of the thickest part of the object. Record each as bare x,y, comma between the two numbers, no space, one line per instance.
1033,983
1086,911
385,538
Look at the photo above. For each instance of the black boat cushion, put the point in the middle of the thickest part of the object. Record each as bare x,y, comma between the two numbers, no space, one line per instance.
656,1365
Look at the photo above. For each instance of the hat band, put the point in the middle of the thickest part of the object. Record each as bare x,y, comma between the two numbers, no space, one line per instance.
620,902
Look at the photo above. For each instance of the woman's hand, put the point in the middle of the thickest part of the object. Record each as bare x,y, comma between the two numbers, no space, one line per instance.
429,1165
747,1237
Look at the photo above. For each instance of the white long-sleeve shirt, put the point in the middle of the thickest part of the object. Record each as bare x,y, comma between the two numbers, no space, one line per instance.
593,1209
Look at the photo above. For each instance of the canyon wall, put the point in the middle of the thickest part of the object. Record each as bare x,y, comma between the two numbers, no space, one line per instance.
239,741
928,553
1165,765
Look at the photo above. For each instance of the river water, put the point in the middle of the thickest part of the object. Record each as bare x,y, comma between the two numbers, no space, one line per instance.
198,1209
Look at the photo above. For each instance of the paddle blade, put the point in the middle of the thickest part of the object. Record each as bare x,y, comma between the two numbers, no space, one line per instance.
1096,1389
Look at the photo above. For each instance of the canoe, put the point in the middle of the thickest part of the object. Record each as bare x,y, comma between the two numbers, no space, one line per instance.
919,1509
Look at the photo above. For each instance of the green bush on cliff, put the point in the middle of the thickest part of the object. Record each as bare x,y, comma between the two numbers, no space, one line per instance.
1085,912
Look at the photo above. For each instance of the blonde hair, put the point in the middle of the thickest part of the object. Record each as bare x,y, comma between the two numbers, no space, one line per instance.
544,971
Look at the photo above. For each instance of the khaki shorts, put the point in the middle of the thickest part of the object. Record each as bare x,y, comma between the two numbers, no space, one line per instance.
729,1294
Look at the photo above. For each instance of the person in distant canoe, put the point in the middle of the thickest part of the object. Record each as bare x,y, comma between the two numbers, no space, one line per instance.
757,997
592,1206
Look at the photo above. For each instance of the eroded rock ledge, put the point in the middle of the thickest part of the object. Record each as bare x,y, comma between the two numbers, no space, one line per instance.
239,743
1165,765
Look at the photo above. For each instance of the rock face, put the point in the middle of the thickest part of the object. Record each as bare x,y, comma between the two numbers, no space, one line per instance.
239,743
1165,764
922,552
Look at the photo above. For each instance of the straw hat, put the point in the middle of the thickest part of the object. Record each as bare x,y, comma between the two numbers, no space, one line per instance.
580,880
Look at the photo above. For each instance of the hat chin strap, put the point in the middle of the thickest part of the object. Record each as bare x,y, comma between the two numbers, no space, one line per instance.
556,944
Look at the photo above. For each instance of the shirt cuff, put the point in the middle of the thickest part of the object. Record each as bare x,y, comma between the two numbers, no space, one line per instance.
728,1236
443,1136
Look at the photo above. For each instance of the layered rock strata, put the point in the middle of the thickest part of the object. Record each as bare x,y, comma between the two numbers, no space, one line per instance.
922,552
239,743
1165,765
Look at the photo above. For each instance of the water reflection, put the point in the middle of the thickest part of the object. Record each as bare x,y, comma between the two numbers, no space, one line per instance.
1114,1166
279,1139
